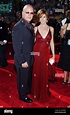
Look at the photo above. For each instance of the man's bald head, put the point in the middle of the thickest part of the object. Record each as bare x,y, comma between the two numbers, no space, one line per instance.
27,7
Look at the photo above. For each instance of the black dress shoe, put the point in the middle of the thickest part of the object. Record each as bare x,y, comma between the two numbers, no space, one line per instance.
26,99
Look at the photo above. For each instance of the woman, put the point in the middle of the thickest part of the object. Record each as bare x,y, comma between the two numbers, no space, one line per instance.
64,60
44,40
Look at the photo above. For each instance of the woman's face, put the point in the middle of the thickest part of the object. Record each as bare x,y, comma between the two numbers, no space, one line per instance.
43,19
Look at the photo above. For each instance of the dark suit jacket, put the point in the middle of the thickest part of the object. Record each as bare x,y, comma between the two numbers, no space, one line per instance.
23,41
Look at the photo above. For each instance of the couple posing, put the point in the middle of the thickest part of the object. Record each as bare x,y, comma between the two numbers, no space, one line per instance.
32,70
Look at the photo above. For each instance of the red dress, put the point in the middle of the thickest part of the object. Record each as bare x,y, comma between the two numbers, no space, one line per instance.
40,86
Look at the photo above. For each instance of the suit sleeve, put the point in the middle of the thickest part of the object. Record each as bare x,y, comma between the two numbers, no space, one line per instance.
17,45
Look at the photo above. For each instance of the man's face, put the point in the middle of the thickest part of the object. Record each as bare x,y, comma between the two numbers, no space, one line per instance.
27,13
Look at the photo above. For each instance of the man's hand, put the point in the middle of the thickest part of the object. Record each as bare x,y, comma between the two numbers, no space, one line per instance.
25,65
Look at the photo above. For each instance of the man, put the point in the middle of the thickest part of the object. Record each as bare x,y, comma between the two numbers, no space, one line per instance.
23,41
3,42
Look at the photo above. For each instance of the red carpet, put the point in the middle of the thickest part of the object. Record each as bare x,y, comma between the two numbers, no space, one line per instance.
60,94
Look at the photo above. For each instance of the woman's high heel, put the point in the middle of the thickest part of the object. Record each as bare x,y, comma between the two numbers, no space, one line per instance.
63,82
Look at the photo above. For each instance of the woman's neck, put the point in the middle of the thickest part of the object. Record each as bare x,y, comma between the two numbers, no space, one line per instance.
43,25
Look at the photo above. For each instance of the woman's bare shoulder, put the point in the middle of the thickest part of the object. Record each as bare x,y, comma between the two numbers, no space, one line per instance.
51,28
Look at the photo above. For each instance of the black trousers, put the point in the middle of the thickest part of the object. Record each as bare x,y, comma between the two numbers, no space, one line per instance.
24,81
3,60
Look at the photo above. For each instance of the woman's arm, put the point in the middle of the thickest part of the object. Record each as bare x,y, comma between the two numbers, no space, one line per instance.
63,30
52,42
